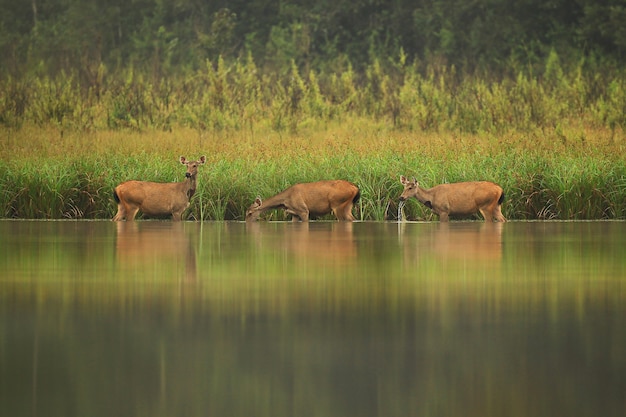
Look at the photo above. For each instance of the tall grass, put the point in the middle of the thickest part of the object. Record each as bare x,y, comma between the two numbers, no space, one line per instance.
49,175
237,97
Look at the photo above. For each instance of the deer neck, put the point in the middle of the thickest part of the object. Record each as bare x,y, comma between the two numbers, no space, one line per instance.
275,201
189,186
423,195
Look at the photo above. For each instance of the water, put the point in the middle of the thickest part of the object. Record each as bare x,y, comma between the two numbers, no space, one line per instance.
400,212
325,319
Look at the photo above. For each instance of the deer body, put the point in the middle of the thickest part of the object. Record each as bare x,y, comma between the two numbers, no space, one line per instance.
311,199
461,198
155,198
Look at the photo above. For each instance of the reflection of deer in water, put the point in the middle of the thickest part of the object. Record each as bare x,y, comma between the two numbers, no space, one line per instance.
461,198
157,198
311,199
469,242
154,246
320,241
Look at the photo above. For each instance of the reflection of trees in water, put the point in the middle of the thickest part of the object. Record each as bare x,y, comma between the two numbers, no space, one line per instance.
408,362
436,328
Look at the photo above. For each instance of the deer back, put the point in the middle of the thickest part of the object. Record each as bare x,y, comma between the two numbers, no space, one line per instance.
465,197
154,198
321,196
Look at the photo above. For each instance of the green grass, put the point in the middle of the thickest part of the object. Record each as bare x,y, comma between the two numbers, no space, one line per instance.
46,175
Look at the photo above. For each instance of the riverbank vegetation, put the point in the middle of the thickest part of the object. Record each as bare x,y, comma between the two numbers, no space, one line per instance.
572,173
531,98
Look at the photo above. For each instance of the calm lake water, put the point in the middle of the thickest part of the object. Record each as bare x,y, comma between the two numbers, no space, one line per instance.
327,319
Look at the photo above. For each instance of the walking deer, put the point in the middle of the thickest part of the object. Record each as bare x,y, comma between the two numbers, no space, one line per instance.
312,199
461,198
156,198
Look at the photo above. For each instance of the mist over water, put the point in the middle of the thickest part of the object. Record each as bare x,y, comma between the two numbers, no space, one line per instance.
327,318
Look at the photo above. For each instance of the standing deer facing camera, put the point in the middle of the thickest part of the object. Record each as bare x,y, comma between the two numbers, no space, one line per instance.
157,198
311,199
461,198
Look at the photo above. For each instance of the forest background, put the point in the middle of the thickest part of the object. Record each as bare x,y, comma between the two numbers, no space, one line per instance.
529,94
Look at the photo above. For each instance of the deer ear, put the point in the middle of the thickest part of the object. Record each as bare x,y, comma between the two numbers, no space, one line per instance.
183,160
258,201
414,181
202,159
403,179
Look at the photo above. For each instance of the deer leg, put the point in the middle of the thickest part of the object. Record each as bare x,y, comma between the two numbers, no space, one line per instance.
300,209
344,212
304,215
443,217
131,213
119,216
294,216
498,215
486,214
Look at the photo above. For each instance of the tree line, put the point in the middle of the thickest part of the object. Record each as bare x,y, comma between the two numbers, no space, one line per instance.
165,38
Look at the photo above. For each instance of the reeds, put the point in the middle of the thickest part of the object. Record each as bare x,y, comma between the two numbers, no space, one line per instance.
48,175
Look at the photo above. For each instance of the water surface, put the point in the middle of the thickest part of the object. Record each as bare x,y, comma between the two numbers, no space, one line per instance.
326,319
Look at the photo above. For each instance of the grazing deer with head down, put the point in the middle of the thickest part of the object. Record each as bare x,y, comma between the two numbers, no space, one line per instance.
461,198
157,198
312,199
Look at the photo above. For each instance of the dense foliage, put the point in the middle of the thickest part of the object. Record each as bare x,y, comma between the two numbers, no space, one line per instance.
166,37
530,94
428,65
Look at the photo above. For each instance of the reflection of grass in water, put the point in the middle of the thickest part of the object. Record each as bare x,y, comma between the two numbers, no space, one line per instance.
268,328
239,274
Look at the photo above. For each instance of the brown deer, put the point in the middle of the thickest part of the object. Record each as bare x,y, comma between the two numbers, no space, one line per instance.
156,198
312,199
461,198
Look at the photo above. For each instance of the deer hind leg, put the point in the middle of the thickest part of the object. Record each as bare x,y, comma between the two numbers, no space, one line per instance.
498,214
487,215
344,212
131,212
487,212
121,213
492,213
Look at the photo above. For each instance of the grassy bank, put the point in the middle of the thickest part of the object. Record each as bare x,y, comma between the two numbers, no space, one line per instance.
564,173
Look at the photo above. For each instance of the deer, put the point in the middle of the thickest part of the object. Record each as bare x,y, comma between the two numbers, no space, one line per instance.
461,198
156,198
312,199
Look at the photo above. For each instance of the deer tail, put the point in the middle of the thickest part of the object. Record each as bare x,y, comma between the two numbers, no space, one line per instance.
116,197
357,196
501,199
